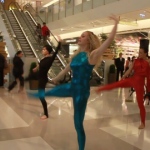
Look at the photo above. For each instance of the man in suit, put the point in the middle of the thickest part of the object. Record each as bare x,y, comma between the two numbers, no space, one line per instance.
119,63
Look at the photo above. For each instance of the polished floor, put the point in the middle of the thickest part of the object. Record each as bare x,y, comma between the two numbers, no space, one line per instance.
111,123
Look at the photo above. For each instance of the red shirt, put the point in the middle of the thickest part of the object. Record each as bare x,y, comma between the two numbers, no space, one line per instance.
44,29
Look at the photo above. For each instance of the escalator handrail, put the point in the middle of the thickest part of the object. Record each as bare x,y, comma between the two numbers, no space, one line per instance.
25,35
28,4
29,27
38,17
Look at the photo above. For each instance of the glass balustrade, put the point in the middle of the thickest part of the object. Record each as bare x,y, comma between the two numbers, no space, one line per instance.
63,8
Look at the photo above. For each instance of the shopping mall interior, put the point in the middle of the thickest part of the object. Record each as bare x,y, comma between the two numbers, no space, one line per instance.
112,117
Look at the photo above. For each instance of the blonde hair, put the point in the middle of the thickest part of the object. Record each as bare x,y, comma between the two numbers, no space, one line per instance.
94,43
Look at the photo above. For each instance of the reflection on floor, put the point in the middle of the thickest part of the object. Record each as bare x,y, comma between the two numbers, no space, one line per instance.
110,123
26,144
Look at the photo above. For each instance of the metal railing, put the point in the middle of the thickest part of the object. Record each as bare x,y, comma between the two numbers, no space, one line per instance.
64,8
32,48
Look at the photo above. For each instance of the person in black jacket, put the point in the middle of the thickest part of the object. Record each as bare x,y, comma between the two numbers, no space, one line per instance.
2,66
119,63
17,71
43,68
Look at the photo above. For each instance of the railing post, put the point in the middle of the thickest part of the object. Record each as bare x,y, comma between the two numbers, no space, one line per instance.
59,11
52,12
65,9
82,6
73,7
46,14
92,4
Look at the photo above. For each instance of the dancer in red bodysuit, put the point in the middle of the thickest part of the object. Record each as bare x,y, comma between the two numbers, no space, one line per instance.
137,81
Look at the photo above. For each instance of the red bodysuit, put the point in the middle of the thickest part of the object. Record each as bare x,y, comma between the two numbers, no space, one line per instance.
137,81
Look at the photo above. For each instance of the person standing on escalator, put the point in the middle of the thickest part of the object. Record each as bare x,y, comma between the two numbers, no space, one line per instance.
45,33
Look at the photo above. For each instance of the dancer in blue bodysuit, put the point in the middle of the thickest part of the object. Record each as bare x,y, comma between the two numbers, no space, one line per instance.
81,65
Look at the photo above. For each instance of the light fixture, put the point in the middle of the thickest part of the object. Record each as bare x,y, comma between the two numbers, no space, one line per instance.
50,3
142,15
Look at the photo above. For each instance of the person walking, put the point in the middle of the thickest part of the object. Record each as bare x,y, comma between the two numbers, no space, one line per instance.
17,72
81,66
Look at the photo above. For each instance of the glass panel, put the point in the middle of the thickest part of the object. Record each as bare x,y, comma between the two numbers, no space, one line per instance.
69,4
56,8
109,1
62,9
77,2
97,3
55,11
69,7
50,14
69,12
77,9
87,5
42,14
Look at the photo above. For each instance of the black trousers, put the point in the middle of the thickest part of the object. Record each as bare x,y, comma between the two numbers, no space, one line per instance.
119,72
14,83
42,85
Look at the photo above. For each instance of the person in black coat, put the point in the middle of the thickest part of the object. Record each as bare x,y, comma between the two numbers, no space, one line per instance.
119,63
43,69
2,66
17,71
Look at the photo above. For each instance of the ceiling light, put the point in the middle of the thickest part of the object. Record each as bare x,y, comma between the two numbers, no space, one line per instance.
50,3
142,15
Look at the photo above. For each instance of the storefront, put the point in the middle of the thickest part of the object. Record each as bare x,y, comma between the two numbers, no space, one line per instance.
70,46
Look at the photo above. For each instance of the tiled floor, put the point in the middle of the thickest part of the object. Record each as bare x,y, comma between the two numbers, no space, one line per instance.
110,123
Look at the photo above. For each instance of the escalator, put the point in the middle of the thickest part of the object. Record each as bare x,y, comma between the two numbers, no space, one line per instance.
20,34
59,62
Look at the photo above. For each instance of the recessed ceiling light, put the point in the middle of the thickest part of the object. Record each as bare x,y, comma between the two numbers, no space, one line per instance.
142,15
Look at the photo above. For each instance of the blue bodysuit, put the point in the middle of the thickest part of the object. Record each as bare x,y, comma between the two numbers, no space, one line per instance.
79,90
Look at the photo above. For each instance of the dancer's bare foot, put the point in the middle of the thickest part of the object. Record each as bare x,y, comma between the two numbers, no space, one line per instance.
43,117
142,126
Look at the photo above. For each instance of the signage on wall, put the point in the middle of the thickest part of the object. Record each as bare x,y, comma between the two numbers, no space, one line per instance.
2,1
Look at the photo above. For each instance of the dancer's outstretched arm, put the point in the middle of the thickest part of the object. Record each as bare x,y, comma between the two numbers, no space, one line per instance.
61,74
95,55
